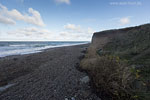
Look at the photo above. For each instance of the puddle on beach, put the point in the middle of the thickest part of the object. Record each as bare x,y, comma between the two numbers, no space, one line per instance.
3,88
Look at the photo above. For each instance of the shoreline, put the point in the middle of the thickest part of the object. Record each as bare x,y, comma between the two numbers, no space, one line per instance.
52,71
42,49
15,58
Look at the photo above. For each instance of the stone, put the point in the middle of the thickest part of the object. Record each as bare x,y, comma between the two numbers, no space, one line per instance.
72,98
86,94
98,99
85,79
66,99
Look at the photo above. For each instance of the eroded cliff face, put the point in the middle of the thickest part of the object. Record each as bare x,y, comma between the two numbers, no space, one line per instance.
100,39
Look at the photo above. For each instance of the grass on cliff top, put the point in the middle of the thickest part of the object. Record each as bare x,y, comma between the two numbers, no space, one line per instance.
134,45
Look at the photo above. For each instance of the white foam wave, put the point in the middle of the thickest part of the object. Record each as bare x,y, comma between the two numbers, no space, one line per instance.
19,50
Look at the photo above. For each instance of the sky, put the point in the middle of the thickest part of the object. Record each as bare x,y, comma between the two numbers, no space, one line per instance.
67,20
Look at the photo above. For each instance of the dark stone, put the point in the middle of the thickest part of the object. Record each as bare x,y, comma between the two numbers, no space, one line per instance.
3,82
84,51
15,59
81,57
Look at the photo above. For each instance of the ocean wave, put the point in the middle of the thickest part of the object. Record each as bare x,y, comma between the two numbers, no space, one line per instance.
31,47
17,45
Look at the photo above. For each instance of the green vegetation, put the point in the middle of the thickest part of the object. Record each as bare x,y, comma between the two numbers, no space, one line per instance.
121,69
133,45
111,77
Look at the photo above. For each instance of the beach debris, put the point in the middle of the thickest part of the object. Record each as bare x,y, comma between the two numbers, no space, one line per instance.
85,79
3,88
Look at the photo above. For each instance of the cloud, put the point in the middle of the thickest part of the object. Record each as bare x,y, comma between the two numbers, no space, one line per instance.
73,27
63,1
76,32
124,21
70,33
78,29
30,32
33,16
5,20
90,30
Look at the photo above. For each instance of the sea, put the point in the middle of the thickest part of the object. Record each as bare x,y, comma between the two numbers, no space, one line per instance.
26,47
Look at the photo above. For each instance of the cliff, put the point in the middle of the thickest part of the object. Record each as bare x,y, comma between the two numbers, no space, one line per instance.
118,62
126,38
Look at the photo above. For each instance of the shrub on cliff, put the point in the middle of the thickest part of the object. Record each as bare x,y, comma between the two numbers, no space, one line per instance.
115,79
110,76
